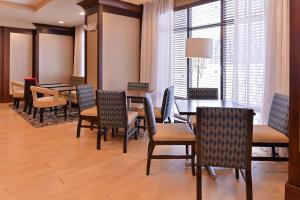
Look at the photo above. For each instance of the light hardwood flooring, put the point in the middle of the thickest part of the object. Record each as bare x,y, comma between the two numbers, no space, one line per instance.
51,163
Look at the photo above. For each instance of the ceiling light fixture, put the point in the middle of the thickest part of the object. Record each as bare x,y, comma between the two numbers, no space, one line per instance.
61,22
82,13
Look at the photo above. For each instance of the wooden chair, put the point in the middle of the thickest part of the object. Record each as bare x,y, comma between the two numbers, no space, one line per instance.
203,94
87,107
137,103
224,137
167,134
50,99
162,113
275,134
18,92
113,114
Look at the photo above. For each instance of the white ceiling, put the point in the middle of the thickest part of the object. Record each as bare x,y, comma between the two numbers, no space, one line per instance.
23,15
54,11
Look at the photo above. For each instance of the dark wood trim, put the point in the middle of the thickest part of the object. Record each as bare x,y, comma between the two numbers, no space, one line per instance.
1,62
120,11
57,30
122,5
35,55
100,47
86,4
189,5
292,189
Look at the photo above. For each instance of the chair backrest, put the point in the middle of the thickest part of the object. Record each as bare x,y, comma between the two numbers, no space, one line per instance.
167,103
77,80
111,107
15,86
85,97
149,116
279,113
138,86
203,93
225,137
44,91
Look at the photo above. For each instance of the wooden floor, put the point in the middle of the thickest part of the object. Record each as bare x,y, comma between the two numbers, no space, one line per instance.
51,163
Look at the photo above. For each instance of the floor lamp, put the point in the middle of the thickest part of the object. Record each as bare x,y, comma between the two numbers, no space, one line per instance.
199,48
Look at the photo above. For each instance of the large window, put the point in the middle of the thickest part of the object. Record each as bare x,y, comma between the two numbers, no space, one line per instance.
237,66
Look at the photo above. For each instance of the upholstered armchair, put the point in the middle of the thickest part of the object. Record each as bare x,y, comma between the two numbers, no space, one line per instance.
50,99
17,92
224,137
167,134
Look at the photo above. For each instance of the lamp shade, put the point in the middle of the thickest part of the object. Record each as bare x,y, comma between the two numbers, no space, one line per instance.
199,48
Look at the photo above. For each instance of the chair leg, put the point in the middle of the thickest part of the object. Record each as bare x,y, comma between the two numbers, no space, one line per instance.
99,138
125,143
15,102
105,134
25,107
193,159
149,157
113,132
18,103
41,115
273,152
34,112
65,111
92,126
237,173
199,182
249,185
29,109
55,110
79,127
144,123
136,130
186,149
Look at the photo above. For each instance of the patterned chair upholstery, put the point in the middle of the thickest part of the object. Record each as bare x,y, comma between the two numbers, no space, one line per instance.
137,103
87,106
275,134
224,137
17,92
203,94
163,113
75,80
50,99
112,111
167,134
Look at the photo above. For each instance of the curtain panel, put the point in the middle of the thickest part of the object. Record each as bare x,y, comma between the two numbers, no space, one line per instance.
156,50
78,68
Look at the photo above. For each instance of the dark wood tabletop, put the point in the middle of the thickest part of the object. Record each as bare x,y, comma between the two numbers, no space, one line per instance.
189,106
65,89
55,85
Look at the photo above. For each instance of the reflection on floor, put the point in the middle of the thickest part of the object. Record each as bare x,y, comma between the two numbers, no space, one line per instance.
51,163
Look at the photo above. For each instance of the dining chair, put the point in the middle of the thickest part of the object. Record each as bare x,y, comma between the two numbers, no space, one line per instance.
163,113
74,81
50,99
167,134
224,139
275,134
113,114
202,94
17,92
87,107
137,103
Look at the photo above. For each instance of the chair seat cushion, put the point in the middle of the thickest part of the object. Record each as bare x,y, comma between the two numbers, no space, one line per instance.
266,134
132,117
174,132
18,94
90,112
136,107
157,112
48,102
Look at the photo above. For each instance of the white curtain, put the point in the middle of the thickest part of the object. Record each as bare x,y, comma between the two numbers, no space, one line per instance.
78,68
248,54
277,52
156,50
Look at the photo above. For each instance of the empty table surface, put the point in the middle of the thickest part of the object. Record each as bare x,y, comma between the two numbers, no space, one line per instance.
55,85
138,93
189,106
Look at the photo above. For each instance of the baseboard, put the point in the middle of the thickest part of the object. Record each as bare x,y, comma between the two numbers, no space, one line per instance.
292,192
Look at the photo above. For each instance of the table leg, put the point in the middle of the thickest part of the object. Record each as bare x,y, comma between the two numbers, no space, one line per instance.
70,99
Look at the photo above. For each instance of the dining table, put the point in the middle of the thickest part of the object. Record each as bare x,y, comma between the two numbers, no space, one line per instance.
137,94
189,107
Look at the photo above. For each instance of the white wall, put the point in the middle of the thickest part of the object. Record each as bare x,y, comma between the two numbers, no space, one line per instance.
20,56
121,50
55,58
92,54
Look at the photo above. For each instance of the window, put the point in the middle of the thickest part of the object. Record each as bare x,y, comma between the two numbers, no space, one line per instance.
237,66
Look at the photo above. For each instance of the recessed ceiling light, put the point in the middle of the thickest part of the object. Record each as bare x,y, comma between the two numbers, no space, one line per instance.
82,13
61,22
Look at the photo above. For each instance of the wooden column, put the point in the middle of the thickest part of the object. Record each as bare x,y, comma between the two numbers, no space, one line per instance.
292,188
1,62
